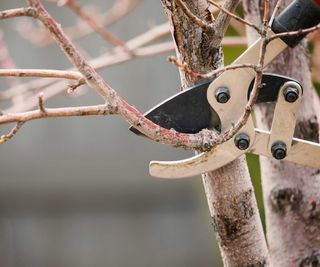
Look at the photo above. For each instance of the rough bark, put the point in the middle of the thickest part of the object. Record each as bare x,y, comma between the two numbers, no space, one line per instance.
229,191
291,192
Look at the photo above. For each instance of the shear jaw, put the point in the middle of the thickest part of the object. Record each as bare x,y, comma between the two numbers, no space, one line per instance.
274,144
215,158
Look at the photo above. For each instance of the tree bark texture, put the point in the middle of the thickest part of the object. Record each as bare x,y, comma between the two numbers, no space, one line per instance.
229,190
291,192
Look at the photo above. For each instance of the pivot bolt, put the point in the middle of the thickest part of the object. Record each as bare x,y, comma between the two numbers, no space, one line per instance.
291,94
222,95
242,141
279,150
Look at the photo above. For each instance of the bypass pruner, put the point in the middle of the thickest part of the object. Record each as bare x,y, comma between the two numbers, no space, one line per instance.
218,105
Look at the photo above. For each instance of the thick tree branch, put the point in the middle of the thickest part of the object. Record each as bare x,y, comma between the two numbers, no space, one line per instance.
229,189
223,19
229,13
193,18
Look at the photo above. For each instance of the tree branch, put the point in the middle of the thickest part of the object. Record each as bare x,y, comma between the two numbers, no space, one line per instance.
193,18
56,112
223,20
17,12
13,132
106,35
229,190
235,16
71,75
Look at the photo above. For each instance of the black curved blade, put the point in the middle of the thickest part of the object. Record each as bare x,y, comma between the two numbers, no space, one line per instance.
270,86
190,112
186,112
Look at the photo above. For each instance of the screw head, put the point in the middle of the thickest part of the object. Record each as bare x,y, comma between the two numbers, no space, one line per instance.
279,150
222,95
291,94
242,141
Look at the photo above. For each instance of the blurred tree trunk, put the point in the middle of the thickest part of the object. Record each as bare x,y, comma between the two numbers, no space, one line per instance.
291,192
229,190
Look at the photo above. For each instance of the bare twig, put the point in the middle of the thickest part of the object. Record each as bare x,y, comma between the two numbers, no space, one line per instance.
6,60
115,13
294,33
71,75
253,96
107,59
109,37
41,103
129,113
73,87
235,16
52,89
56,112
274,13
210,74
7,137
266,12
17,12
190,15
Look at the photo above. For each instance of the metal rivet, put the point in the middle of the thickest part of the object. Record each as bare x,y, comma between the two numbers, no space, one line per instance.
222,95
242,141
279,150
291,94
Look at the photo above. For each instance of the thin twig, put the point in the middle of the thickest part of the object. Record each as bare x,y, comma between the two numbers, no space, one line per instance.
193,18
266,12
111,58
117,104
40,37
274,13
41,103
12,133
210,74
294,33
56,112
106,35
71,75
73,87
235,16
17,12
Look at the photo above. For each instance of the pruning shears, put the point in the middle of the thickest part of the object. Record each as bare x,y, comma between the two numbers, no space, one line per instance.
218,105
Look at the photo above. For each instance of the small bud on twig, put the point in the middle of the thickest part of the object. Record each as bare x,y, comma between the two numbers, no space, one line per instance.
41,103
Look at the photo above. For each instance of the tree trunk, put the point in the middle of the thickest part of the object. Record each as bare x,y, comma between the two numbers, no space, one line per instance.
291,192
229,190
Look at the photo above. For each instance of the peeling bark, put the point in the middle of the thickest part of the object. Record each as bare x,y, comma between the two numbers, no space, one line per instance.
229,190
291,192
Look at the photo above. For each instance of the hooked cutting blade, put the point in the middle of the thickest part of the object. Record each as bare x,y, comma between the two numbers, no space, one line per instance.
186,112
190,112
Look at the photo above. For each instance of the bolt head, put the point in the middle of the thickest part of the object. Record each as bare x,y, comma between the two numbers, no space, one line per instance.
291,94
222,95
279,150
242,141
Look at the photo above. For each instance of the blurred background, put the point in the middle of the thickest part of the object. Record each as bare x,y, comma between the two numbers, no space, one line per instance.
75,192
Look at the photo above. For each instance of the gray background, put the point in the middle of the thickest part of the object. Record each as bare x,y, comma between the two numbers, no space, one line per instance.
75,192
